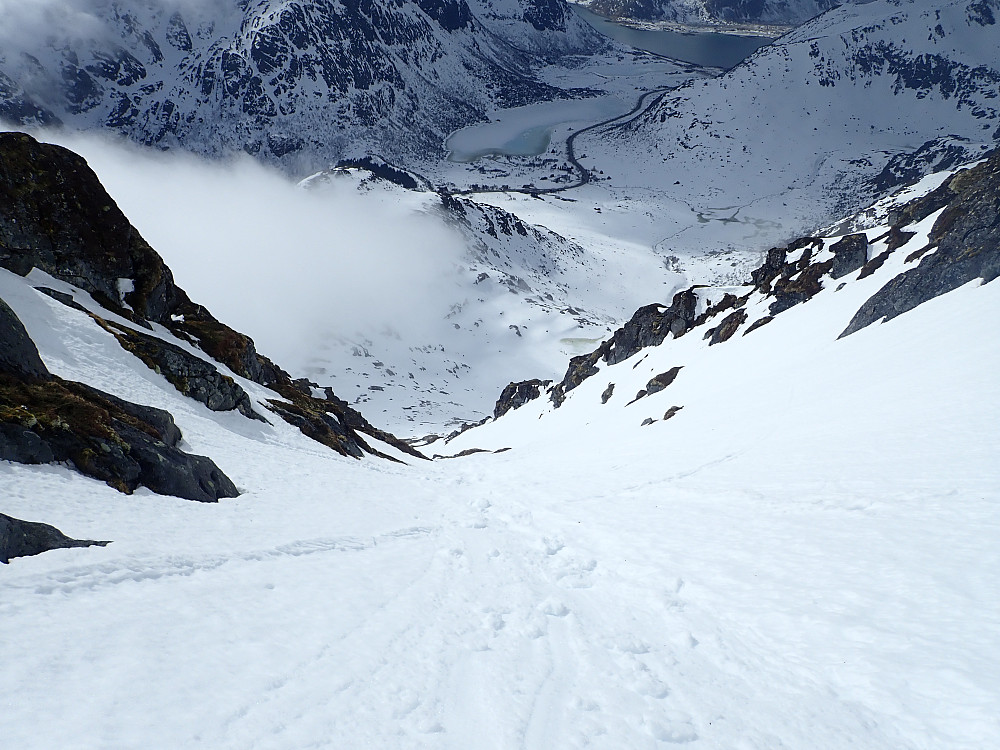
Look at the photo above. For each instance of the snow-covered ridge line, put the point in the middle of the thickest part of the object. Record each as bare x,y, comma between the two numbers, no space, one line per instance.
837,113
296,84
951,229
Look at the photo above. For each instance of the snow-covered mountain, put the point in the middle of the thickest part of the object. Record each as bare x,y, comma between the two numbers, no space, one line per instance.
301,84
712,12
778,537
860,99
931,246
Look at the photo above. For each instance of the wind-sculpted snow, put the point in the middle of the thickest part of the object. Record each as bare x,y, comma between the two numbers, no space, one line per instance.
296,83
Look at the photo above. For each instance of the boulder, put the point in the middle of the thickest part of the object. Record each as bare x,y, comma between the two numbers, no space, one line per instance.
849,254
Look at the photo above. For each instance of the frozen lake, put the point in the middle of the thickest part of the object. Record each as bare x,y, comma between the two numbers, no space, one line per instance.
701,47
526,131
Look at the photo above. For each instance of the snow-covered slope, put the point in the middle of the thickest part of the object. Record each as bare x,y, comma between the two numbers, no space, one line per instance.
711,12
63,233
803,556
816,294
296,83
850,104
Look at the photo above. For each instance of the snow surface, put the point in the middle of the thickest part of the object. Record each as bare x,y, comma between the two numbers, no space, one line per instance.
804,556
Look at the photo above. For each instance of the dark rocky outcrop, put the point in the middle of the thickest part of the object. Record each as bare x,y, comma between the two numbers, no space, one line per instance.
966,242
791,282
758,323
18,354
516,395
56,216
649,326
123,444
608,392
775,266
657,383
789,292
849,254
25,538
671,412
191,375
729,325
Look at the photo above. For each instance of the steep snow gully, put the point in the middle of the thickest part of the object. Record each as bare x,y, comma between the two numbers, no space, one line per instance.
804,556
759,516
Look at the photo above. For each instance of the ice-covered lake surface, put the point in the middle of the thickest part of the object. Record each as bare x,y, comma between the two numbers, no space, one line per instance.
526,131
707,48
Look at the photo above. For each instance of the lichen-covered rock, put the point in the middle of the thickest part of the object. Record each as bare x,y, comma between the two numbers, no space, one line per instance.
966,236
25,538
125,445
44,419
658,382
729,325
789,292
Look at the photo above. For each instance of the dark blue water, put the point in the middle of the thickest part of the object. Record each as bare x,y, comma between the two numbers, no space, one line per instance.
701,47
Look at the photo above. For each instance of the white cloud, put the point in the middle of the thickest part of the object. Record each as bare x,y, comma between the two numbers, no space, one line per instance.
285,265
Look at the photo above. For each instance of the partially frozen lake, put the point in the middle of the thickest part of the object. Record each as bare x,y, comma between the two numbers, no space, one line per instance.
526,131
717,50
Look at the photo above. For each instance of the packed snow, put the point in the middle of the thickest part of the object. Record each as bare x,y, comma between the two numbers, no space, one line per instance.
803,556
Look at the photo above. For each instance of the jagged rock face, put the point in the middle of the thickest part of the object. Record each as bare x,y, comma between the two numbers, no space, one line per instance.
964,244
24,538
778,12
649,326
516,395
298,83
44,419
56,216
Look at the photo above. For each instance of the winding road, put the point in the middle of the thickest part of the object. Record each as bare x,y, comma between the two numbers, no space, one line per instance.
583,174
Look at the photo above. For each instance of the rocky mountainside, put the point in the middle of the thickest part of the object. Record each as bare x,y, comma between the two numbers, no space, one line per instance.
298,84
63,234
714,12
922,247
839,111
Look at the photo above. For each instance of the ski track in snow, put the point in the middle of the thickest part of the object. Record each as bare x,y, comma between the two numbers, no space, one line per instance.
716,581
